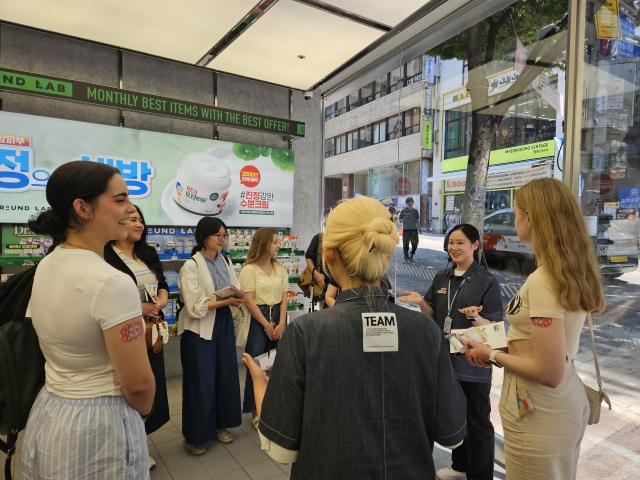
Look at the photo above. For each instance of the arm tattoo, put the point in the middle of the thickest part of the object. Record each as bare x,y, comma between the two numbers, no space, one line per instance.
541,322
131,332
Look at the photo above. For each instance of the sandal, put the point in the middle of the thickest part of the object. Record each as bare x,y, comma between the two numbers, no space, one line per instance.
256,422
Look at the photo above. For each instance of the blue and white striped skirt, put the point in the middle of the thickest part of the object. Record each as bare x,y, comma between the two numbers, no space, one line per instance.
84,438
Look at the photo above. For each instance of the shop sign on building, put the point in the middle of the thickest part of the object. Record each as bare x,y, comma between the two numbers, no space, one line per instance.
426,134
429,69
427,101
176,180
608,21
498,181
629,197
520,153
64,89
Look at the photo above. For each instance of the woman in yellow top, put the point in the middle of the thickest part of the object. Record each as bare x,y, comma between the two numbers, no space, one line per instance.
543,405
265,282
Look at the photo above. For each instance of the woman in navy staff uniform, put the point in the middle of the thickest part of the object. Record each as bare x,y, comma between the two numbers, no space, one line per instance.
456,297
337,404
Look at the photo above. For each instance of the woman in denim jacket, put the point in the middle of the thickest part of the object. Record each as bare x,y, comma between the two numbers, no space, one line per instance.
362,389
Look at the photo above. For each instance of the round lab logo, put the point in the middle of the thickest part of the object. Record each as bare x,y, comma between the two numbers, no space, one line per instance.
250,176
403,186
214,197
600,184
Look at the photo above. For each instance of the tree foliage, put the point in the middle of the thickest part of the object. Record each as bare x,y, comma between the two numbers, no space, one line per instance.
523,19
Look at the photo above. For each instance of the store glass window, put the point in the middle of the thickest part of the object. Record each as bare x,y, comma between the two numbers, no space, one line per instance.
500,119
609,193
381,85
329,147
395,127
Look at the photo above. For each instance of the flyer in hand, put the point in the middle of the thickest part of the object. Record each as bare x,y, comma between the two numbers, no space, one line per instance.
229,292
493,335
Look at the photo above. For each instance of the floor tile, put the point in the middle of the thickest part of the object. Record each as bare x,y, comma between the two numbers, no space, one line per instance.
177,419
213,450
166,435
171,447
175,400
235,475
285,467
240,443
164,476
250,456
221,465
263,470
180,460
160,469
175,409
195,472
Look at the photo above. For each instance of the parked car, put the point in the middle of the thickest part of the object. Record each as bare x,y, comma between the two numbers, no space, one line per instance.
616,244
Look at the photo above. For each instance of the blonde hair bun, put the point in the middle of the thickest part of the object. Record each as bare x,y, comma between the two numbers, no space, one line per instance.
361,231
378,233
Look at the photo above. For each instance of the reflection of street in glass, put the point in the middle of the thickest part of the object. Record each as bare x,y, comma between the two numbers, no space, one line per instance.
617,340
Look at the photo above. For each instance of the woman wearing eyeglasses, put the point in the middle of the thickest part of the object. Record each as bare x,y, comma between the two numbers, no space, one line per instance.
210,383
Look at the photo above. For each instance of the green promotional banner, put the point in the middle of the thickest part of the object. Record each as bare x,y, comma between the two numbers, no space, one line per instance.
175,180
142,102
520,153
20,246
426,135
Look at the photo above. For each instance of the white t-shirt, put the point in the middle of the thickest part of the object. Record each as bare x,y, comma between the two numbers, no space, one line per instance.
76,295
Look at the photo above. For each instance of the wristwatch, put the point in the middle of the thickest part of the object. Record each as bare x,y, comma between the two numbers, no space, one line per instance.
492,358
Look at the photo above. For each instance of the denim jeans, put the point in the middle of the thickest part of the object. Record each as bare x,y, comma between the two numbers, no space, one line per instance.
258,343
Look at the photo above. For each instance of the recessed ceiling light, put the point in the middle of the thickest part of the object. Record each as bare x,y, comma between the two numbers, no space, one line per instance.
301,57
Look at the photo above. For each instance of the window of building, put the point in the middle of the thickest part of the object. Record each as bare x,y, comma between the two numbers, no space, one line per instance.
412,121
368,136
352,140
395,80
366,94
329,147
330,112
341,106
413,70
341,144
354,100
395,127
380,86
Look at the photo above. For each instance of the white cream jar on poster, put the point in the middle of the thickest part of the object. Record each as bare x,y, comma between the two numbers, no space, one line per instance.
202,184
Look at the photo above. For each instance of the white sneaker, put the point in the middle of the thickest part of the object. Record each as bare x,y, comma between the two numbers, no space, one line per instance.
450,474
152,463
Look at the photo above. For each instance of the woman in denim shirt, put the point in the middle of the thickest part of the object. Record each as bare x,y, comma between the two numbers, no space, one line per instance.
454,300
335,408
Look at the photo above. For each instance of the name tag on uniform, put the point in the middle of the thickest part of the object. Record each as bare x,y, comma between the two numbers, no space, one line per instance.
443,290
379,332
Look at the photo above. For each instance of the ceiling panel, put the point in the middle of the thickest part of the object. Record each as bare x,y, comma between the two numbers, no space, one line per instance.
269,49
183,30
384,11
